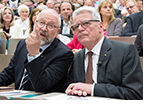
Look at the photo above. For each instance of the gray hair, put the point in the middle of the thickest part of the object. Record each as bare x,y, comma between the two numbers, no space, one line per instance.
92,10
52,11
23,6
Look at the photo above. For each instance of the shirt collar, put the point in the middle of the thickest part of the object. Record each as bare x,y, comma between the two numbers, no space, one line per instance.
45,46
97,48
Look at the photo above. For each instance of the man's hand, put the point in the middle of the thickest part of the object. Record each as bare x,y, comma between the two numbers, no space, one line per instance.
80,89
33,42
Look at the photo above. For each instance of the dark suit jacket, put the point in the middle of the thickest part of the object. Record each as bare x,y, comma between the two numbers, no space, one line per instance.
119,73
69,35
139,41
133,23
47,73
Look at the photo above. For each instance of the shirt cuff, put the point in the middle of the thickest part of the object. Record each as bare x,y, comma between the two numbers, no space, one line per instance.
93,85
30,58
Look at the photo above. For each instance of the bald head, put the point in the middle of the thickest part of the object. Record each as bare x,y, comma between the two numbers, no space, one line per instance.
47,13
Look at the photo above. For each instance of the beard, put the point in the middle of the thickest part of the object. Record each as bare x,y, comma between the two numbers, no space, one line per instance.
48,39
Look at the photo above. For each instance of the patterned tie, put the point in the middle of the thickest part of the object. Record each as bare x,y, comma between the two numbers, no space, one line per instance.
24,80
88,76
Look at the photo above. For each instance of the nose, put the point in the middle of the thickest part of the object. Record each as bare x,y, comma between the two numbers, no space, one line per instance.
44,28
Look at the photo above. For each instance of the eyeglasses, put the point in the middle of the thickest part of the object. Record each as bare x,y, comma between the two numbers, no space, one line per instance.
84,24
48,26
130,7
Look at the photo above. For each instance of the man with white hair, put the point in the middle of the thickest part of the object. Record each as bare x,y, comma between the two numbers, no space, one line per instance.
40,62
105,68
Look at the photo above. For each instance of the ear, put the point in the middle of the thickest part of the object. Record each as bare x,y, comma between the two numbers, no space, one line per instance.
100,27
58,31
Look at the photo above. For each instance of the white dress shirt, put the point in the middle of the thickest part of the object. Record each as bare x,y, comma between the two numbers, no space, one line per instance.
66,28
20,29
30,58
96,53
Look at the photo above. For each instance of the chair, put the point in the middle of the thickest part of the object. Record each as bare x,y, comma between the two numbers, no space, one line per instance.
3,43
4,61
12,45
141,61
129,40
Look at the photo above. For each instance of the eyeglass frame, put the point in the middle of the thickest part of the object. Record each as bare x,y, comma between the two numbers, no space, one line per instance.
130,7
52,26
88,21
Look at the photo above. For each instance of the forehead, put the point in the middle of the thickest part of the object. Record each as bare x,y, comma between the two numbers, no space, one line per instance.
130,3
106,3
82,16
24,9
66,5
7,10
48,17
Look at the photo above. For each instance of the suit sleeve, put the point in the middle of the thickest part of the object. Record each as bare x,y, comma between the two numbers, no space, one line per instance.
131,86
48,73
128,31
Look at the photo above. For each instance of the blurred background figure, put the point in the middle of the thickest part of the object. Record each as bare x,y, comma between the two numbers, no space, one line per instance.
32,18
57,7
112,25
89,3
1,5
66,10
131,6
140,4
6,23
50,4
21,27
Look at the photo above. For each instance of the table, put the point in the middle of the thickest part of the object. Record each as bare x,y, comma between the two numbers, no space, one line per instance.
11,94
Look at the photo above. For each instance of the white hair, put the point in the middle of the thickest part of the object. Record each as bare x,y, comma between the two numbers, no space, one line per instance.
23,6
92,10
52,11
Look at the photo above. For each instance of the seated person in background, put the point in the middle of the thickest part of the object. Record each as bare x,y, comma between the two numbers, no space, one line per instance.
32,18
7,20
133,22
6,23
140,4
112,25
40,62
115,71
139,40
131,6
21,27
66,10
75,45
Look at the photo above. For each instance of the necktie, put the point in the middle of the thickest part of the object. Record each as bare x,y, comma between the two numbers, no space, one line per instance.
88,76
24,80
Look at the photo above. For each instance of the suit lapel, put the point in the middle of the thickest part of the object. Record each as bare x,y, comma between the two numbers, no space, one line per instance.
105,54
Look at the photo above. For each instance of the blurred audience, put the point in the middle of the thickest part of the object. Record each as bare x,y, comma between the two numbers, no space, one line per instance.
131,6
6,20
133,23
112,25
140,4
66,11
6,23
32,18
21,27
